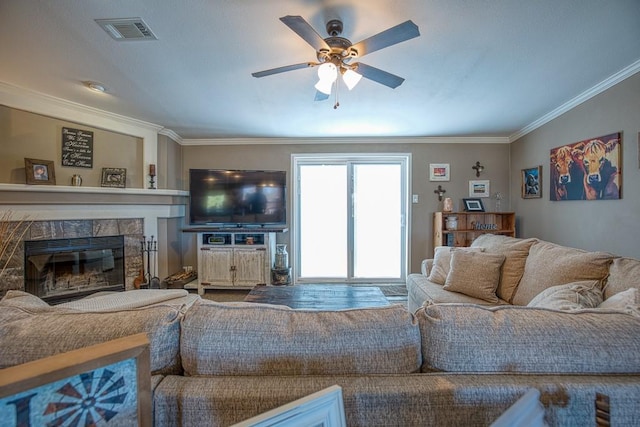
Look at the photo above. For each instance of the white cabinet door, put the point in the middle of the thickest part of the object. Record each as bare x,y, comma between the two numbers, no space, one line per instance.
249,266
217,266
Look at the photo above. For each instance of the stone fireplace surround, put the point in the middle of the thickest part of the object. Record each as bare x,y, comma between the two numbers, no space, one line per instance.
131,229
70,212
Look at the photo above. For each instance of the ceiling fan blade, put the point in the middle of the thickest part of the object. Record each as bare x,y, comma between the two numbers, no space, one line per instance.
306,31
320,96
378,76
282,69
401,32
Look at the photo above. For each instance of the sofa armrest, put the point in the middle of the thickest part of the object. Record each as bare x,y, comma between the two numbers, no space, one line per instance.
425,266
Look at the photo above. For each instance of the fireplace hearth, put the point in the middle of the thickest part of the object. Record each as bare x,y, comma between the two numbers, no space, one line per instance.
60,270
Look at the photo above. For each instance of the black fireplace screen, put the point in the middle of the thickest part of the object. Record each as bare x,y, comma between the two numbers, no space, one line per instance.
65,269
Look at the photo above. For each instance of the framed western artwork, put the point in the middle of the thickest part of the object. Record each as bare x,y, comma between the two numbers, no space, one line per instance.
39,171
532,183
479,188
104,384
439,172
586,170
473,205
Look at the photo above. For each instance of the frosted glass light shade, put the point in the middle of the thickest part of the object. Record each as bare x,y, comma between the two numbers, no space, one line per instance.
351,78
324,86
328,72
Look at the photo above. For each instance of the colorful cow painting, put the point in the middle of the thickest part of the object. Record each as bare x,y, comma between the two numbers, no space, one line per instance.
586,170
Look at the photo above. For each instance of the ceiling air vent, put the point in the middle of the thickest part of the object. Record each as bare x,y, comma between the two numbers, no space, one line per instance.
127,29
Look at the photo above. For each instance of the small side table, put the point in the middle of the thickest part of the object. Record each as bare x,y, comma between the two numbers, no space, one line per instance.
280,276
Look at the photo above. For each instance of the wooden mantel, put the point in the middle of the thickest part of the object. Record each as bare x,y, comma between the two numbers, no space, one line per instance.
19,194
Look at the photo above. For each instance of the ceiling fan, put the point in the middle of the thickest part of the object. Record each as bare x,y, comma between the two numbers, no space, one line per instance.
334,54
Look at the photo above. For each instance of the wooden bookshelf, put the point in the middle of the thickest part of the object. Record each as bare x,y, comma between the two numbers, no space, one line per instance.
471,225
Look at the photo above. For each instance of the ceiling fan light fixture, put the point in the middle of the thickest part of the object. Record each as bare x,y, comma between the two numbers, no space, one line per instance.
351,78
328,72
324,86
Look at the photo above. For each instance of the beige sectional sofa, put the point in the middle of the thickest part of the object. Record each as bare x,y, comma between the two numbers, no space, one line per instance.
444,365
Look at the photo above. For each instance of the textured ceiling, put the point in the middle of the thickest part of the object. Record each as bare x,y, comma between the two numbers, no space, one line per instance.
479,68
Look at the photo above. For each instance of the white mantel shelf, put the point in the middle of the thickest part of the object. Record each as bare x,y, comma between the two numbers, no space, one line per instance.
24,188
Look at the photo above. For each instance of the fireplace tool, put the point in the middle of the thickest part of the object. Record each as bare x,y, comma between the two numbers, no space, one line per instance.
149,250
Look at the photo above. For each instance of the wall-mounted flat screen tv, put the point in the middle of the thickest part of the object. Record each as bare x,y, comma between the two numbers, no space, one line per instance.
237,197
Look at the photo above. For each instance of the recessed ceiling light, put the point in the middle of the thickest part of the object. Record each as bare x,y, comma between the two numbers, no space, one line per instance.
96,87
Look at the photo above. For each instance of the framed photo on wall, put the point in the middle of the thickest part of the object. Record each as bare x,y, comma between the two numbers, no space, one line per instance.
439,172
39,172
473,205
479,188
532,182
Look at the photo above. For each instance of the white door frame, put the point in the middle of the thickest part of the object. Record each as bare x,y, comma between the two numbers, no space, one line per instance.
298,159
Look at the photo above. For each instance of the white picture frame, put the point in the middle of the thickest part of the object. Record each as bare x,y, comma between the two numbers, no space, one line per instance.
324,408
439,172
480,188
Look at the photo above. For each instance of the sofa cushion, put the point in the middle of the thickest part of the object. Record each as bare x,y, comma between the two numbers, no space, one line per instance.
421,291
475,274
276,340
570,296
28,335
15,298
627,301
442,262
549,265
472,338
515,251
624,273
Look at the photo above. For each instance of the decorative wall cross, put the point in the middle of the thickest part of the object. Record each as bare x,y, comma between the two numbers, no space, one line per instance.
440,192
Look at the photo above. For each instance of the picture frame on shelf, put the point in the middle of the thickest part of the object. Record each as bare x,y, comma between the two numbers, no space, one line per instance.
39,172
480,188
114,177
532,182
439,172
44,391
473,205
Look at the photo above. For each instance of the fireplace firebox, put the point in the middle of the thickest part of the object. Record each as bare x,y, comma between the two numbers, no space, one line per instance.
61,270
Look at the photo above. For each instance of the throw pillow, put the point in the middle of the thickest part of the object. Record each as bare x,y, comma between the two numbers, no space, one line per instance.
475,274
627,301
570,296
549,264
623,272
442,261
515,251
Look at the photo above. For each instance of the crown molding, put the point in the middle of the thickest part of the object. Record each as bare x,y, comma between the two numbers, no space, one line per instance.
171,134
37,102
585,96
358,140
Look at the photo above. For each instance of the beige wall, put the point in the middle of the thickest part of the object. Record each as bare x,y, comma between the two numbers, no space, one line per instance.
24,134
461,157
606,225
169,167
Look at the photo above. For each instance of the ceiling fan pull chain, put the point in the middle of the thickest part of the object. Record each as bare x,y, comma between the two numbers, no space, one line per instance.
337,104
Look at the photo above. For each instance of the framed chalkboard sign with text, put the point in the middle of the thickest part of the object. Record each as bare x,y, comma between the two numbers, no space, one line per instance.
77,148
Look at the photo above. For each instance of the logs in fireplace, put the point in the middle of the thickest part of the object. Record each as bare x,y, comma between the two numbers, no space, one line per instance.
61,270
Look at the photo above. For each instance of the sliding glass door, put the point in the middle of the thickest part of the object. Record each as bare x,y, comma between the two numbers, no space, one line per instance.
350,218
